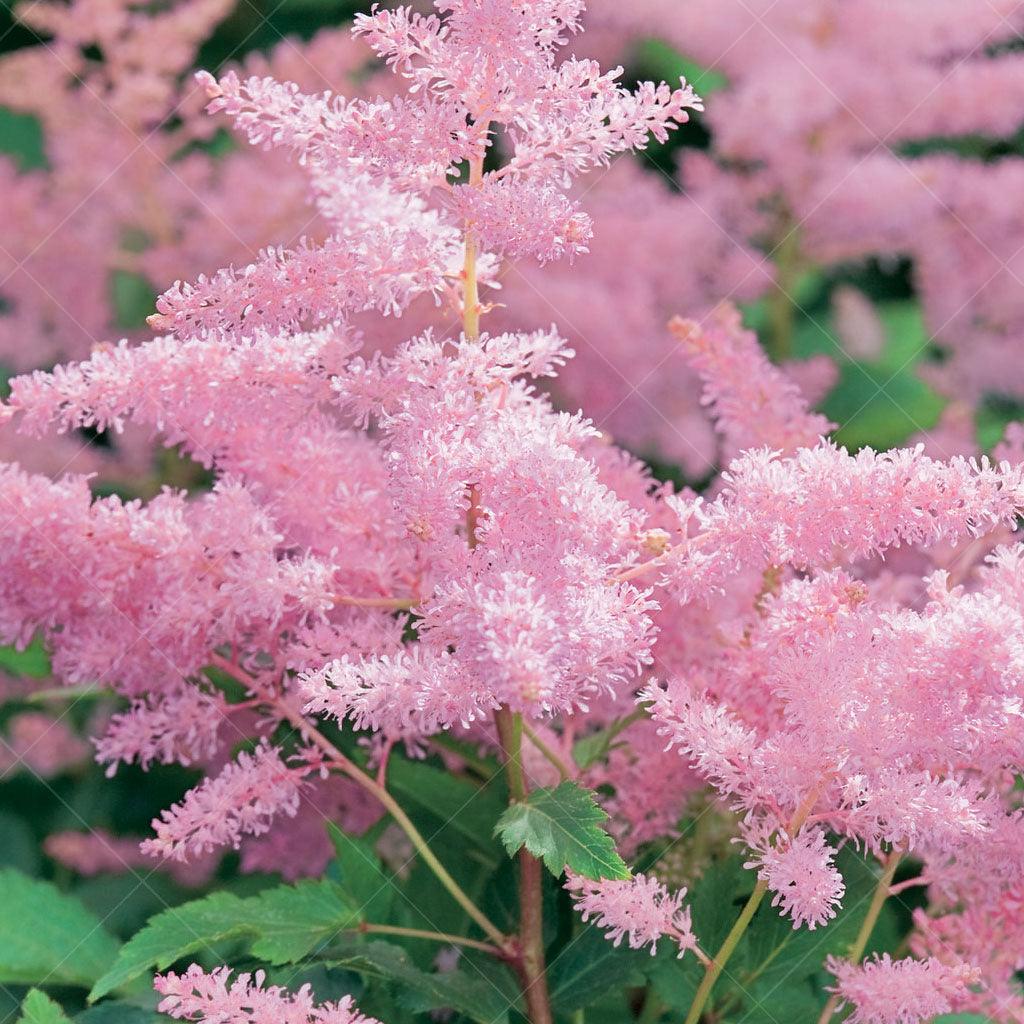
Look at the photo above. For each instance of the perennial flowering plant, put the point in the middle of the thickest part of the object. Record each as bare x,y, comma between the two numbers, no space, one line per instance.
588,746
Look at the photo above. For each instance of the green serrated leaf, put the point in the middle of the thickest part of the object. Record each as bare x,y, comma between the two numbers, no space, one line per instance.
291,921
368,886
562,826
475,997
282,925
172,934
590,967
47,936
39,1008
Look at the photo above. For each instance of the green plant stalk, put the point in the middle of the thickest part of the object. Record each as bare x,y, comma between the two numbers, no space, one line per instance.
726,950
338,760
860,943
420,933
549,755
714,969
405,823
532,969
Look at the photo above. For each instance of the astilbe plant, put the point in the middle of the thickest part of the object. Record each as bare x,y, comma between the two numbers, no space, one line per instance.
840,131
414,552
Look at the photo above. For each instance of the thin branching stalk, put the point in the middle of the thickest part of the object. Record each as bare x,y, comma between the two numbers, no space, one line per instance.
882,892
564,771
339,761
444,937
714,969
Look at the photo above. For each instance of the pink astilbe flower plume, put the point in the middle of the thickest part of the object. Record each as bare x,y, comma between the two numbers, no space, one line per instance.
494,627
407,538
802,877
178,726
887,991
242,800
823,502
754,403
468,72
207,998
639,909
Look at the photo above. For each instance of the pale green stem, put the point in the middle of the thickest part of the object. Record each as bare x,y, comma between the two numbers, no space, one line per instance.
860,943
726,950
545,749
340,761
732,940
443,937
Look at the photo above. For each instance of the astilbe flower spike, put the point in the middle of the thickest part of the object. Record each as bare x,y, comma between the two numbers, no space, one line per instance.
887,991
466,77
639,909
802,877
753,401
412,540
242,800
207,998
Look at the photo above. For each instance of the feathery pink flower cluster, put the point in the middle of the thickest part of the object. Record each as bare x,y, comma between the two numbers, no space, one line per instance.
207,998
242,800
406,542
842,130
488,509
887,991
639,909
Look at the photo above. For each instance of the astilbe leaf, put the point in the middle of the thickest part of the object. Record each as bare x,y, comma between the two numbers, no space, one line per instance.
562,826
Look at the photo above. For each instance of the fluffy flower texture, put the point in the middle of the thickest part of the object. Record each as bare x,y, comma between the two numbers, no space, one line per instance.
823,503
382,268
887,991
629,375
519,220
639,812
242,800
469,72
521,535
984,931
802,877
754,403
639,909
177,578
893,726
208,999
122,132
179,726
818,160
